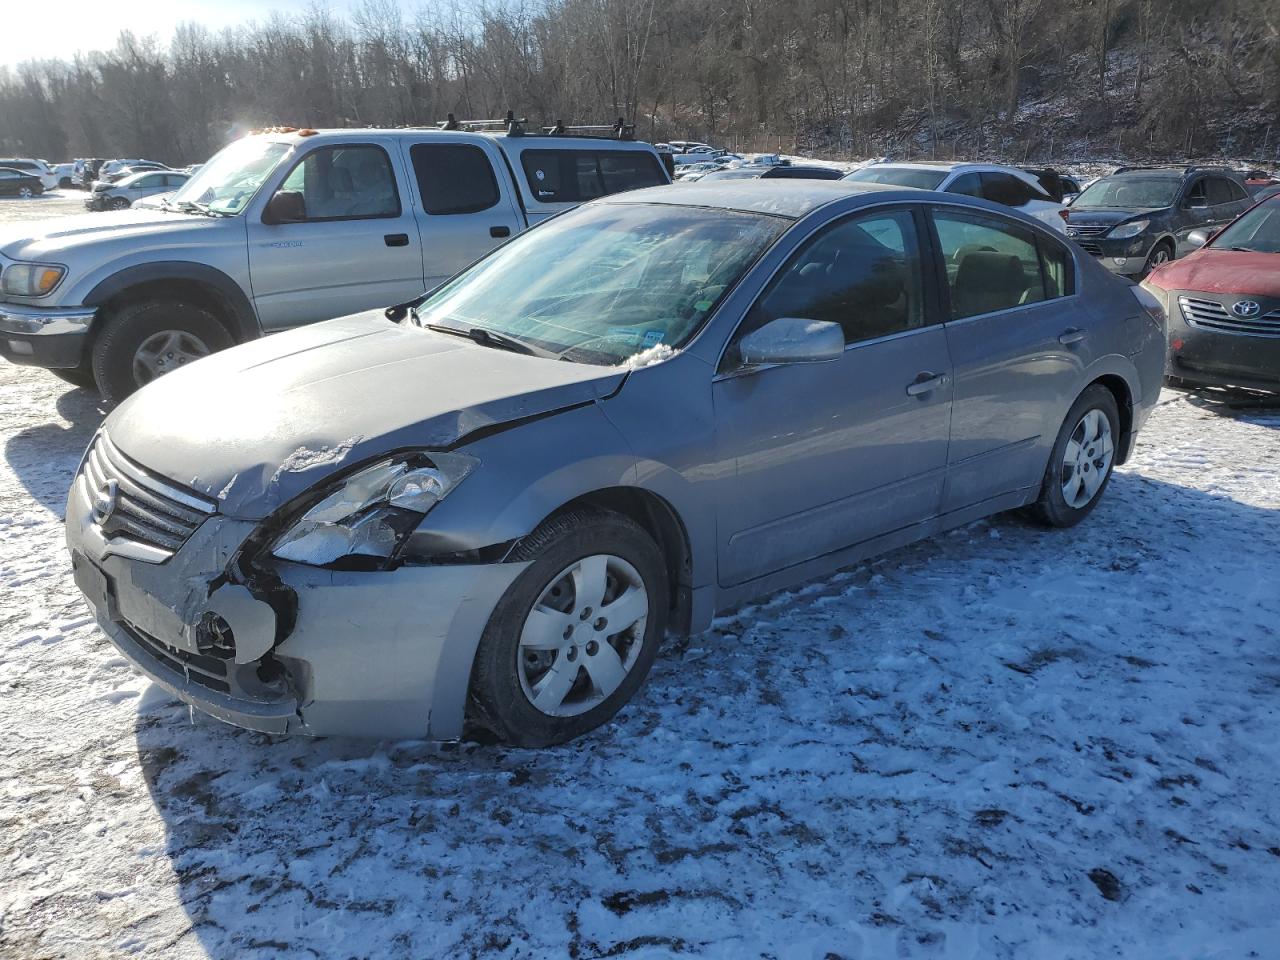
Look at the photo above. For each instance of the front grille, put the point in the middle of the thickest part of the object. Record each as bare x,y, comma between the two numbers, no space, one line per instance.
1089,230
1211,315
206,671
147,509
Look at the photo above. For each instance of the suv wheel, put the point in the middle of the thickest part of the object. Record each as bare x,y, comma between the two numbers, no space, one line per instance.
143,341
1160,254
1082,459
573,638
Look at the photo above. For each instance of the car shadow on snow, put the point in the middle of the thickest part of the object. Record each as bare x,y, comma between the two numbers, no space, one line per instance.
799,750
1256,406
44,457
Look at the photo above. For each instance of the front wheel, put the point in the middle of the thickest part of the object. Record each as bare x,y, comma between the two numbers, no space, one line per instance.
118,203
1160,254
573,638
26,193
146,340
1081,461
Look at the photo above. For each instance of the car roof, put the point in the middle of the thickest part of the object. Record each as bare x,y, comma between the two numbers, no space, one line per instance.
779,197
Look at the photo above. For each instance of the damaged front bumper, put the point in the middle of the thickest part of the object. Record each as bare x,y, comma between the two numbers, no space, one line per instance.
380,653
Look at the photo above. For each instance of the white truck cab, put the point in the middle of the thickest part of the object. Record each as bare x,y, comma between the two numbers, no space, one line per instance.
288,227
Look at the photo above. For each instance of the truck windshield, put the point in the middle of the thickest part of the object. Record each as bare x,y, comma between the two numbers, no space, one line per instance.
1130,193
227,183
606,283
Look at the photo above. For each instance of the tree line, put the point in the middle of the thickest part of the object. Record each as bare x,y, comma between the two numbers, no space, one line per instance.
1012,79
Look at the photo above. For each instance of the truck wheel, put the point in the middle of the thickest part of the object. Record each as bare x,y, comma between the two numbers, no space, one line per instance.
144,341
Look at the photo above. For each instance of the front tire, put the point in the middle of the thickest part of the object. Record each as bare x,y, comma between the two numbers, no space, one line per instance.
143,341
574,637
1160,254
117,203
1082,459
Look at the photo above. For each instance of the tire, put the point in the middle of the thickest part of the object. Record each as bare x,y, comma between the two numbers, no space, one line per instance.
81,376
565,637
117,203
26,193
64,183
1160,254
125,353
1053,508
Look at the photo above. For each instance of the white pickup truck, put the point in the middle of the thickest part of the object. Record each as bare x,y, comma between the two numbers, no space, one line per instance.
283,228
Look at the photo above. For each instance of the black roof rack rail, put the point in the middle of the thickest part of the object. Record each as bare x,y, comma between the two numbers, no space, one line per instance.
1183,167
618,130
510,123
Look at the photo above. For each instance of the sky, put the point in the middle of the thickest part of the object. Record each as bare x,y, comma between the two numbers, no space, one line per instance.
84,25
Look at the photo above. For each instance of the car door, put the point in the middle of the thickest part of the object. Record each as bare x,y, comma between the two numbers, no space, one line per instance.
1227,200
344,241
1018,340
826,455
145,186
465,213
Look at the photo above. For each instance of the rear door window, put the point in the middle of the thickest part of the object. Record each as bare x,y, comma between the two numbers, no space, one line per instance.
1006,189
575,176
1219,190
453,178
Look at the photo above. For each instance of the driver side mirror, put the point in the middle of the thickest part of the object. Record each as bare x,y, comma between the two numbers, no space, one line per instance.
792,340
287,206
1198,238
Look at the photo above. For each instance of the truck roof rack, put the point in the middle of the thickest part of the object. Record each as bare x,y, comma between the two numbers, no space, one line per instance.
618,130
515,127
510,123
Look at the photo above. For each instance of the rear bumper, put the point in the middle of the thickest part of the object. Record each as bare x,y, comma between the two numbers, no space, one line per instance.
44,336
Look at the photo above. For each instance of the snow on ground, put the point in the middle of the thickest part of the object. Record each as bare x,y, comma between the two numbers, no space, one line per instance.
1001,743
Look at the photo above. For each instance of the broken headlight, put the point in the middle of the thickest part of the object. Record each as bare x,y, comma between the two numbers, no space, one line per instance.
373,510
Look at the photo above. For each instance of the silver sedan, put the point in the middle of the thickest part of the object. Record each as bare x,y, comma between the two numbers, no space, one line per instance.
486,509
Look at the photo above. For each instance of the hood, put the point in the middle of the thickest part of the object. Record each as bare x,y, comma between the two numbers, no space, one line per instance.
259,424
53,239
1222,271
1109,216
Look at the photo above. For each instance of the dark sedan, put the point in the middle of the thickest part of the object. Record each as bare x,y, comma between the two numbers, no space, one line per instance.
18,183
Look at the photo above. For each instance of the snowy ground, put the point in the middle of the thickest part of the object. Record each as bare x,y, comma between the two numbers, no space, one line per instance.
1003,743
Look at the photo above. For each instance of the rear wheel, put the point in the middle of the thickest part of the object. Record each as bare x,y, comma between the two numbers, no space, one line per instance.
144,341
573,638
1081,461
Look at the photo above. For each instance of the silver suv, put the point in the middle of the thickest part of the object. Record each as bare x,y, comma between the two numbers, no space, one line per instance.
285,228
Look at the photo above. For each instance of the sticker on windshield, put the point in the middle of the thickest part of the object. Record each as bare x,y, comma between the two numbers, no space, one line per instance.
653,337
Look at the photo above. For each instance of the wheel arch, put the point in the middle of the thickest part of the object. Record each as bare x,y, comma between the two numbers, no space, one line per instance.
205,285
1123,393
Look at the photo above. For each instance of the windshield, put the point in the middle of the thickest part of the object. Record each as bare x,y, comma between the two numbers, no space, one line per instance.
900,177
1129,193
604,283
1257,230
228,182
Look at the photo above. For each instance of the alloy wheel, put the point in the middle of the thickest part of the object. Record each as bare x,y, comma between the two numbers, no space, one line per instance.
165,352
1086,459
583,635
25,193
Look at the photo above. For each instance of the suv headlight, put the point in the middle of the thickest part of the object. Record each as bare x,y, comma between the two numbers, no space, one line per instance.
373,510
1128,230
31,279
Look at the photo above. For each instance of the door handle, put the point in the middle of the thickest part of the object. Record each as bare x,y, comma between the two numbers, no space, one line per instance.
926,383
499,232
1071,336
396,239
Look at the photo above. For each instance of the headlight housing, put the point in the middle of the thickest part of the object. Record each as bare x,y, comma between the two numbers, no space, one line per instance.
370,512
1126,231
31,279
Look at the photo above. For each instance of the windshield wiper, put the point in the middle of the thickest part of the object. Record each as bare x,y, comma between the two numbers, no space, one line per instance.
1244,249
491,338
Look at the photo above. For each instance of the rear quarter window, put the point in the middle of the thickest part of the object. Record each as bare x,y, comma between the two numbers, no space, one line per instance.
575,176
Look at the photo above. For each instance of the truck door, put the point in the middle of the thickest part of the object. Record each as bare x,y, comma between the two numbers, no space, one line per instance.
466,207
337,237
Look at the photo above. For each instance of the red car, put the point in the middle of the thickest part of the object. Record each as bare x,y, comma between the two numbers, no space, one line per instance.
1223,304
